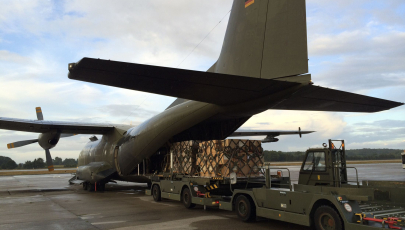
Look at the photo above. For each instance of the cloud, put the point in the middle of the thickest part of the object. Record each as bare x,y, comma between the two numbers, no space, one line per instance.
357,45
325,125
144,32
119,110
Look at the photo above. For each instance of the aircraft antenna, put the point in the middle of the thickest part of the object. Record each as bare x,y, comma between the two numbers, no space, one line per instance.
204,38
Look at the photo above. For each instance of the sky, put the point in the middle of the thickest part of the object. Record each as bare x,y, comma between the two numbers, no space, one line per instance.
355,46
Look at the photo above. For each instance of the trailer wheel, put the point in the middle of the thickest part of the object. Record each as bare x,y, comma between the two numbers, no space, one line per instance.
157,196
326,218
245,208
186,198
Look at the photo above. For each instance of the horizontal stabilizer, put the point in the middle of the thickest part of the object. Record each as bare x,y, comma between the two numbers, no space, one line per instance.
222,89
316,98
215,88
273,133
38,126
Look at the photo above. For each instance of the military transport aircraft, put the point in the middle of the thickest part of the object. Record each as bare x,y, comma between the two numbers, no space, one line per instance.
263,65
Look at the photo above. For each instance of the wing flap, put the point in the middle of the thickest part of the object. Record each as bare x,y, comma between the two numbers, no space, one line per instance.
41,126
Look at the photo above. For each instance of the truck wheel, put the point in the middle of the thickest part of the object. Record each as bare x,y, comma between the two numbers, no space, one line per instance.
245,208
156,193
326,218
186,198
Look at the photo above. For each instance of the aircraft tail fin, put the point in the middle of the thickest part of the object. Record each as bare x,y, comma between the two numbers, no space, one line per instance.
265,39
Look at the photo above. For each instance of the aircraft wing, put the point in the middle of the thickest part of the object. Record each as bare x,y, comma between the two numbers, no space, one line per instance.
41,126
221,89
273,133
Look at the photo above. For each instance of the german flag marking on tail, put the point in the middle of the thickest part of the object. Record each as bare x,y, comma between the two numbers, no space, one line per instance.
50,168
248,3
10,146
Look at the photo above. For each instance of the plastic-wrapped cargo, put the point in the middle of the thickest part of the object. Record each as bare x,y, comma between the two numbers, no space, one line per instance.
217,158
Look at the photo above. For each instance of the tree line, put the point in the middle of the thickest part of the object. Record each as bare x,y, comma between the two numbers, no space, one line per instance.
354,154
38,163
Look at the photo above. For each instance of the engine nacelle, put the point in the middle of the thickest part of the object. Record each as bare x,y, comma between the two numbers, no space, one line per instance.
269,139
48,140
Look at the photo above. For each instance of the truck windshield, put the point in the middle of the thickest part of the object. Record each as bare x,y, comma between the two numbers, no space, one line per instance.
315,161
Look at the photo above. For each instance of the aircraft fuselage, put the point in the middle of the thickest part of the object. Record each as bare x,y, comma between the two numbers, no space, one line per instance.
124,151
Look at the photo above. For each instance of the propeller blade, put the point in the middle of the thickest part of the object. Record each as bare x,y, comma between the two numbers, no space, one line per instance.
39,113
21,143
49,162
299,131
67,135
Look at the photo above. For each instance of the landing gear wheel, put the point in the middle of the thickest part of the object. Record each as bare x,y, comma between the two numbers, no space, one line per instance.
245,209
85,185
186,198
90,187
326,218
101,187
156,193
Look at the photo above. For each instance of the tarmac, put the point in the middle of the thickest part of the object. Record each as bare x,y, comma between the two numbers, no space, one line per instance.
48,202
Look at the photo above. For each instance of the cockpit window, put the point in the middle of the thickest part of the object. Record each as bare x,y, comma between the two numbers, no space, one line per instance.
315,161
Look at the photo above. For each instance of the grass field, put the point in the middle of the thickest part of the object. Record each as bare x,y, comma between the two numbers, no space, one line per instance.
35,172
348,162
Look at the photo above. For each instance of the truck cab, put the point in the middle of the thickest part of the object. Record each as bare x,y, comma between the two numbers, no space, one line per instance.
324,166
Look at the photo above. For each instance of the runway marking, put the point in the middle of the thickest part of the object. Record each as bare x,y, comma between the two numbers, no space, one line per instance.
90,216
184,224
109,222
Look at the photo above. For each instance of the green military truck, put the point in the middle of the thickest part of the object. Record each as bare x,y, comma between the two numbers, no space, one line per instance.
324,197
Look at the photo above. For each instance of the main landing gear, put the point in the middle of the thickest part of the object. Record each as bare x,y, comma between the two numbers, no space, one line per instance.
99,186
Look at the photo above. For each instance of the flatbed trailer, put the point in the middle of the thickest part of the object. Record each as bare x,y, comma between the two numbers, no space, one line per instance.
323,197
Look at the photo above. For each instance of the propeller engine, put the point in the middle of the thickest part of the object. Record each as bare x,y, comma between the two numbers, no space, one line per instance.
46,140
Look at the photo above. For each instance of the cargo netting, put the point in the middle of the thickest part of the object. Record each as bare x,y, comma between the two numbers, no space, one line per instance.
216,158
